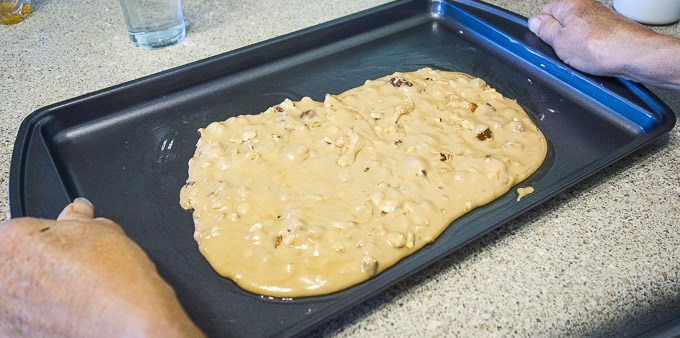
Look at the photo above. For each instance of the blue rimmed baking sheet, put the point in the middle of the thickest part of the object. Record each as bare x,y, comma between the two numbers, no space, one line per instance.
126,148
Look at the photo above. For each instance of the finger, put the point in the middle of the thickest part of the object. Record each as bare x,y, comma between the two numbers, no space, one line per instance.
80,209
559,9
546,27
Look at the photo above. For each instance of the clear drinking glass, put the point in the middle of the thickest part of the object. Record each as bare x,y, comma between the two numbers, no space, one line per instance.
154,24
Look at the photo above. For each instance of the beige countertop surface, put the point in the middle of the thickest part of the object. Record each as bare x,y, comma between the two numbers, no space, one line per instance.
602,258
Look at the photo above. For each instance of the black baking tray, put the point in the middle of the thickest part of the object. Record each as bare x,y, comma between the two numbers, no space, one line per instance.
126,148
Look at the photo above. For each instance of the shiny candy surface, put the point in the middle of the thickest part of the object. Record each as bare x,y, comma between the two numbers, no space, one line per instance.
309,197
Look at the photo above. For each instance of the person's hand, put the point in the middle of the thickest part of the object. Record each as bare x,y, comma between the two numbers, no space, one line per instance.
593,38
81,276
587,35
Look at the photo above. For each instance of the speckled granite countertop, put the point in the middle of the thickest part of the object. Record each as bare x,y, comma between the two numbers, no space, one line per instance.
602,258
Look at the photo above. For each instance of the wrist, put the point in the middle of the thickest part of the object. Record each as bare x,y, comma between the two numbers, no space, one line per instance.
132,321
123,308
157,313
623,50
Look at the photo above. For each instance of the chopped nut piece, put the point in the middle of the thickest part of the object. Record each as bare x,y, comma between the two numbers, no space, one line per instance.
399,82
277,240
473,107
278,108
307,114
486,134
410,240
397,142
256,227
252,155
315,233
376,116
517,126
248,135
369,265
396,239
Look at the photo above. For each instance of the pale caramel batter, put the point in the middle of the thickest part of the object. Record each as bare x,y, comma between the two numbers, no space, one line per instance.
521,192
310,197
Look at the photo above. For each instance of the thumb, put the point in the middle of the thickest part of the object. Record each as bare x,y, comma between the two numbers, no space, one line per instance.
80,209
545,26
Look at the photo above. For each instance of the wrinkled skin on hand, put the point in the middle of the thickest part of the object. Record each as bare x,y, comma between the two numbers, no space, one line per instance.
593,38
81,276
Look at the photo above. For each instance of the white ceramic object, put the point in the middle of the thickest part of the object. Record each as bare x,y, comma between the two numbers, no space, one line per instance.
653,12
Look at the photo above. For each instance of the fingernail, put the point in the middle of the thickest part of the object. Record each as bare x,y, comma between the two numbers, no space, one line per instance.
534,23
84,200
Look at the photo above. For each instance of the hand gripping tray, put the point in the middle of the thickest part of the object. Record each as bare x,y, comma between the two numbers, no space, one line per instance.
126,148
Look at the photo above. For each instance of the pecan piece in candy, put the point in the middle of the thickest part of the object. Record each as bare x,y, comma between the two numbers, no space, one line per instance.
369,265
399,82
307,114
486,134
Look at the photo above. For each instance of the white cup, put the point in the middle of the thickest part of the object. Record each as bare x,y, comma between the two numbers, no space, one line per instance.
653,12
